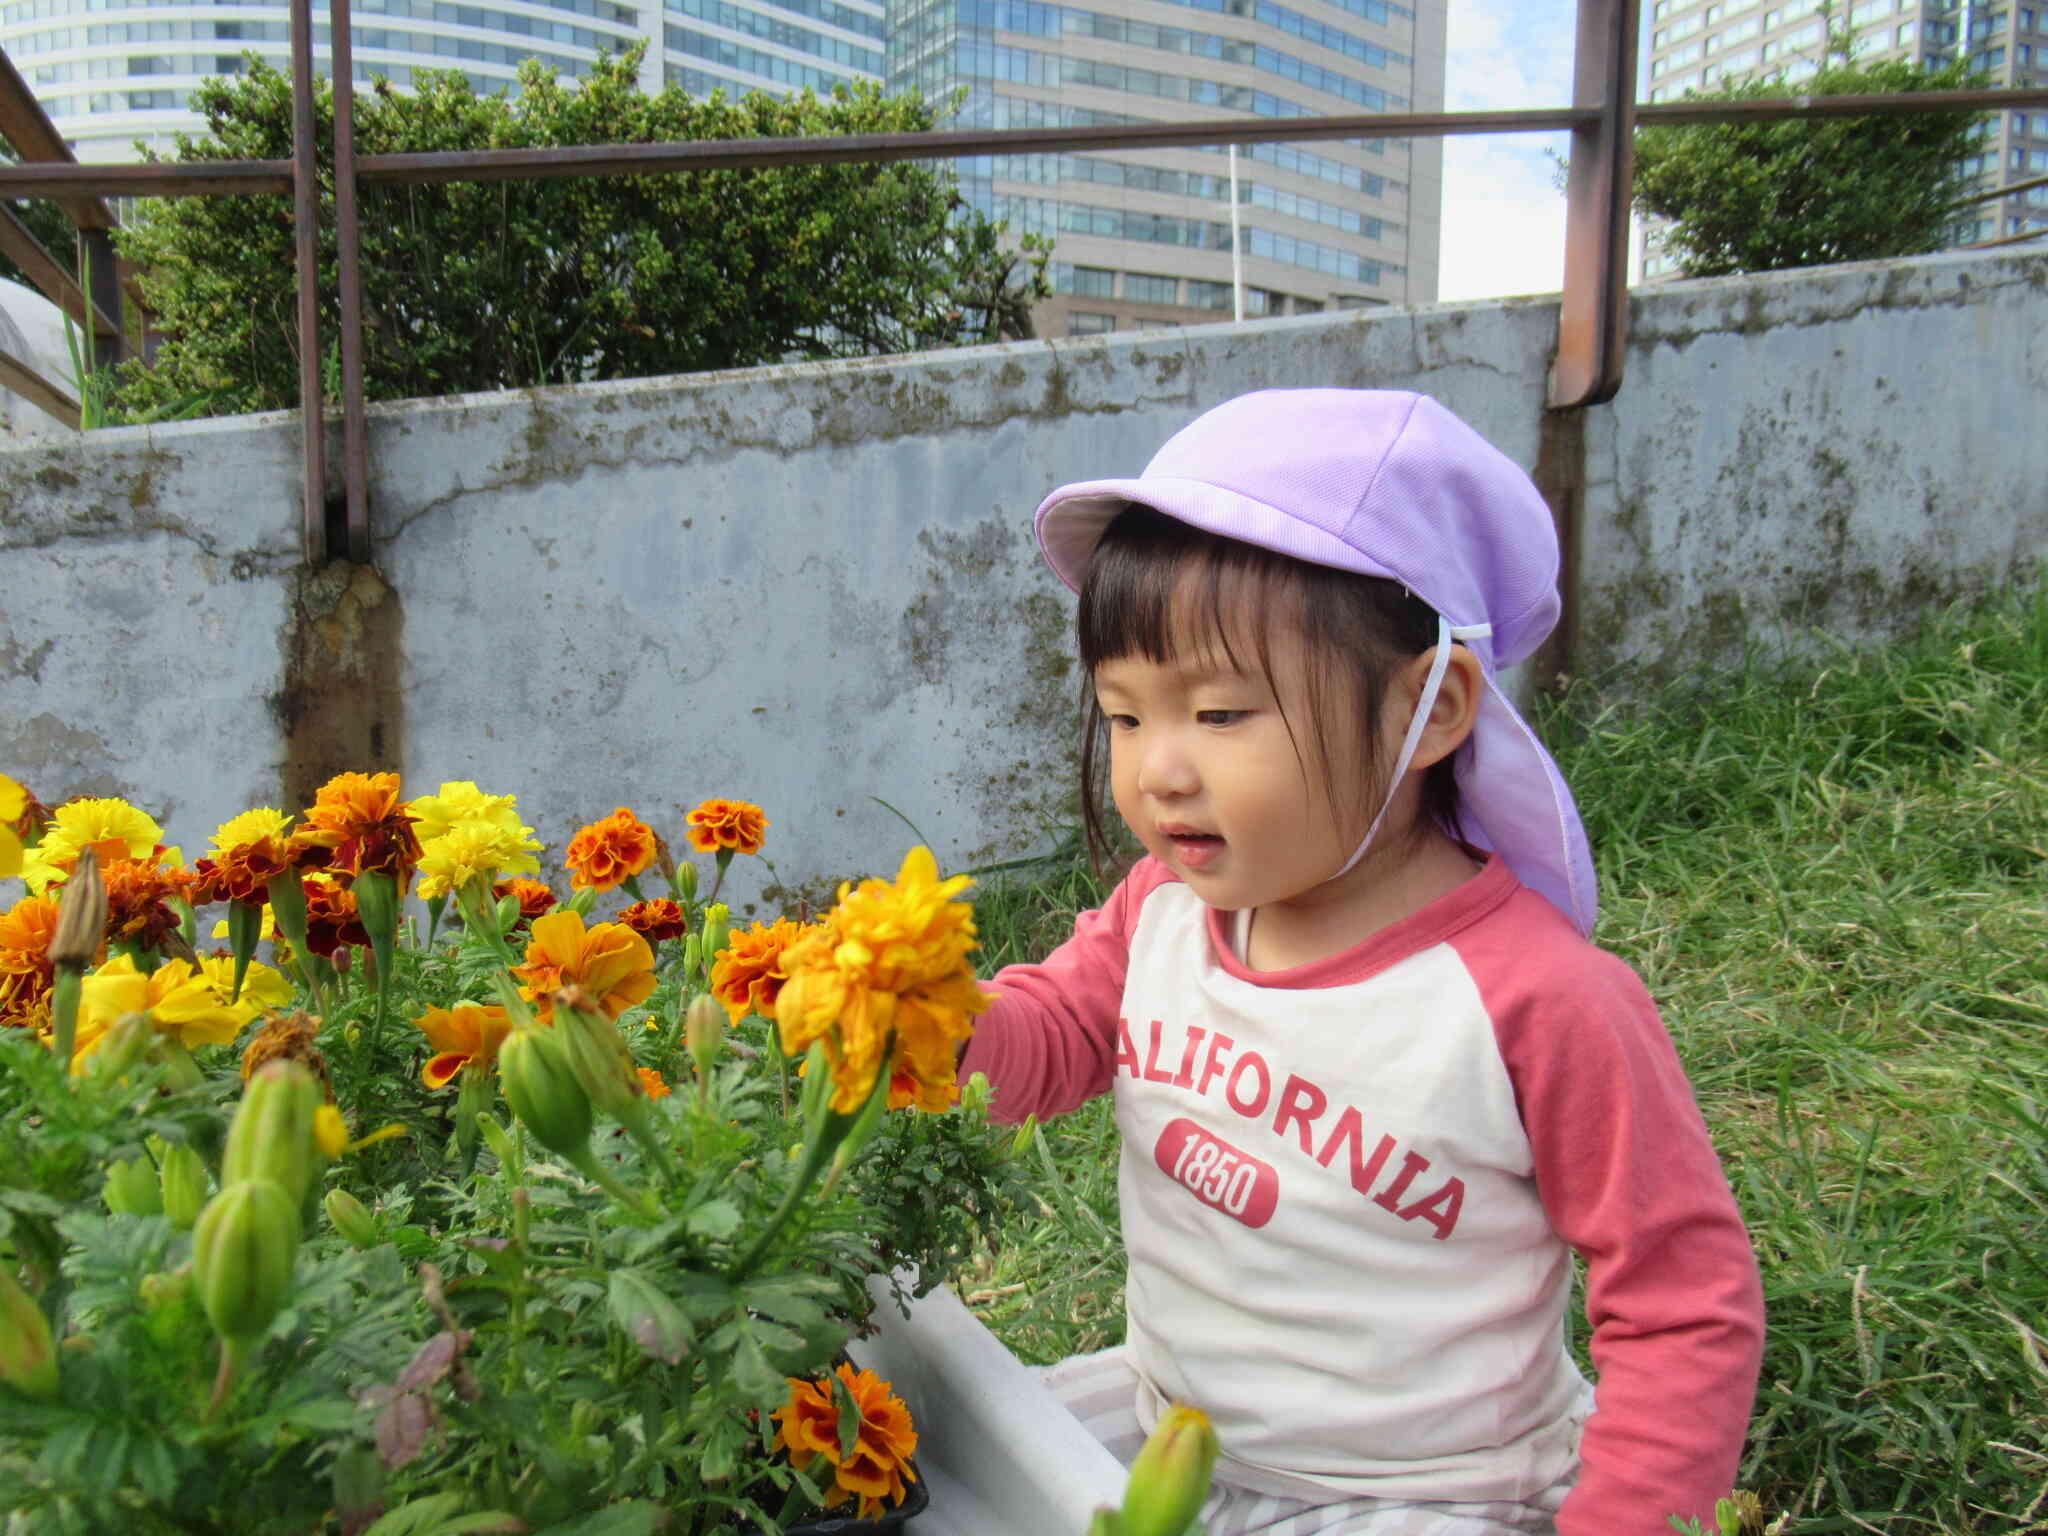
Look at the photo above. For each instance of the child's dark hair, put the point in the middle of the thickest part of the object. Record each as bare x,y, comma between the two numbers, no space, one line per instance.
1156,586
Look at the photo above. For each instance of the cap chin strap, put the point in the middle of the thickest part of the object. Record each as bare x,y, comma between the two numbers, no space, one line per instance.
1446,632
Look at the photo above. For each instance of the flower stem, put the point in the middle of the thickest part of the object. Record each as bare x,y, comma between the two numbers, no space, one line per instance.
70,984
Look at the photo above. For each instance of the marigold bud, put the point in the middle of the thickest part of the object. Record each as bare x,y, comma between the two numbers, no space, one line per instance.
1170,1478
717,930
506,913
182,1177
121,1048
541,1087
81,916
684,883
497,1138
132,1188
28,1355
353,1220
704,1031
597,1054
164,1288
242,1251
272,1137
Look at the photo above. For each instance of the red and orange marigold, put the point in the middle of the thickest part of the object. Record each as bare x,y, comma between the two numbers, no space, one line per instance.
875,1472
609,961
607,853
655,920
360,821
727,825
536,898
332,921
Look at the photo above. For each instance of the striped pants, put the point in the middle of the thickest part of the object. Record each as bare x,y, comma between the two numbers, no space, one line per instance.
1101,1391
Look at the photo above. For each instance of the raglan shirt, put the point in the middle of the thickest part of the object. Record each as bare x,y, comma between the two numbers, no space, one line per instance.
1350,1192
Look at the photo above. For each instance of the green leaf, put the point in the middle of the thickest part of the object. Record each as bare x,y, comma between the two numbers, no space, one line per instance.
714,1219
752,1373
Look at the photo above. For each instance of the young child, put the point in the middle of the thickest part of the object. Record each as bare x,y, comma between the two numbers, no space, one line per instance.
1374,1085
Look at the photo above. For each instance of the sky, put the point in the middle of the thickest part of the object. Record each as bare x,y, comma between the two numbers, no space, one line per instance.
1503,228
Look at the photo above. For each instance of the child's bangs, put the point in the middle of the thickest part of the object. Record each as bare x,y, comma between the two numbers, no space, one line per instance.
1174,595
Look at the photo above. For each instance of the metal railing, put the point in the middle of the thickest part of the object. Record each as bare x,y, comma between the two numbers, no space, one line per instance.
1592,323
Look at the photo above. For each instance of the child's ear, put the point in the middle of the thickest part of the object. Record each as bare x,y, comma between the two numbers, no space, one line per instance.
1456,709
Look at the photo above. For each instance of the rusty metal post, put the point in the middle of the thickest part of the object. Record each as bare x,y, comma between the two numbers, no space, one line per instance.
104,274
1592,320
306,231
355,445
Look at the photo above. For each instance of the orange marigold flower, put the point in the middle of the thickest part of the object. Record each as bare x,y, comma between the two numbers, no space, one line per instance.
361,820
885,981
332,921
610,962
606,854
467,1035
652,1082
748,974
26,974
717,825
139,896
875,1472
536,898
655,920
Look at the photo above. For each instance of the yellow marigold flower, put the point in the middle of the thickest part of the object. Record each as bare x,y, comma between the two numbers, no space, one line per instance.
748,974
610,961
889,960
875,1472
360,820
475,850
13,806
114,828
459,801
727,824
182,1001
330,1131
220,927
467,1035
263,988
652,1082
607,853
26,974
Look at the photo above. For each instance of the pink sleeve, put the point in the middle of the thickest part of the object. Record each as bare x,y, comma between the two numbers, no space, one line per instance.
1629,1178
1049,1042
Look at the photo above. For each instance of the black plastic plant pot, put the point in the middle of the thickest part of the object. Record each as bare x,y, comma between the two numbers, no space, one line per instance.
915,1502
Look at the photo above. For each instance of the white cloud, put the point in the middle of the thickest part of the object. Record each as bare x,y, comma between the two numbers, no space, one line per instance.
1503,217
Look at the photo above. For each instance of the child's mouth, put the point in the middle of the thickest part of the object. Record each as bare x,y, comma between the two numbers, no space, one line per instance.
1195,850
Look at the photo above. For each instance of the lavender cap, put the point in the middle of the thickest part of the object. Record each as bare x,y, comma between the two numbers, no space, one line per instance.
1388,484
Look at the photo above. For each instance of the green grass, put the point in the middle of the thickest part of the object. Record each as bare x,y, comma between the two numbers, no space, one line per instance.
1834,877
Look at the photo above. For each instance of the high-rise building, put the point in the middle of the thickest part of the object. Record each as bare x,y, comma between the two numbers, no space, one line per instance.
1705,43
1144,238
111,71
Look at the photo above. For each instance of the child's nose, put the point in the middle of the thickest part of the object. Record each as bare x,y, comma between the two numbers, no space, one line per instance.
1166,768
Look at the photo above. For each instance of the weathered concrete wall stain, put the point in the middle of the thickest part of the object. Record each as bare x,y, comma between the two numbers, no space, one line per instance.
341,707
815,586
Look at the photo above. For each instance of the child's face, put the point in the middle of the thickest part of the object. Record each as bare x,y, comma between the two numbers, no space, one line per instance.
1207,774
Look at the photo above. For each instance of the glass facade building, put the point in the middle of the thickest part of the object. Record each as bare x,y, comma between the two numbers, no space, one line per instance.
111,71
1143,238
1701,44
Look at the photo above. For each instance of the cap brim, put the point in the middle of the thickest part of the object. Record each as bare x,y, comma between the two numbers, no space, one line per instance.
1071,521
1513,799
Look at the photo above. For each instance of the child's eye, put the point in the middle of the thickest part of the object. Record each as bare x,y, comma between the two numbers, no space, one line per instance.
1121,722
1221,716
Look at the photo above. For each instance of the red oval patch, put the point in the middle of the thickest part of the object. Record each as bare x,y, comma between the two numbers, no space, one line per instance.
1217,1174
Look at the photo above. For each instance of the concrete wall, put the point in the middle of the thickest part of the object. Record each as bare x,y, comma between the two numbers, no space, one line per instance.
814,586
